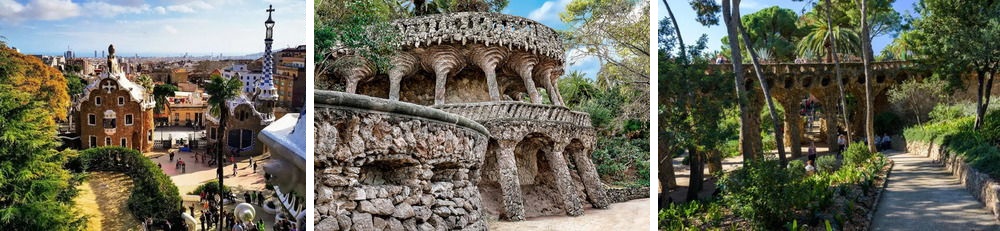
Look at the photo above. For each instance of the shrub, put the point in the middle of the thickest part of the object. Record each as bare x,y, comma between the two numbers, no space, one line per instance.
760,192
797,168
153,194
857,153
991,127
827,164
210,187
945,112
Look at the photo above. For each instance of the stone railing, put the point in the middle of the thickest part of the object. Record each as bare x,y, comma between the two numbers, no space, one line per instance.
480,27
506,110
813,68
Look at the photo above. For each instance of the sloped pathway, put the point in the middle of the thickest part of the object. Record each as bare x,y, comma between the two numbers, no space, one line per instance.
922,195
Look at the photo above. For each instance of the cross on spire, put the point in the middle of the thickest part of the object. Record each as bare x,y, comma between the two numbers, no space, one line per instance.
270,8
109,86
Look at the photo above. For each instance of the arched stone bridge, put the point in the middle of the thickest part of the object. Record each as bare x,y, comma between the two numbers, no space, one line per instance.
791,83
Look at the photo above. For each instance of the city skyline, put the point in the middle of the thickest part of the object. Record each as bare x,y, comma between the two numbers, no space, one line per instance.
165,28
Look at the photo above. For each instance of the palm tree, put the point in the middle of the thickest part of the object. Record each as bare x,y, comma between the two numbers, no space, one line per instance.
817,41
221,91
160,94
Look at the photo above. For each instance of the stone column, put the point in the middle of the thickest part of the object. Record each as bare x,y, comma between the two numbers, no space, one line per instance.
524,64
831,100
510,185
487,58
402,65
591,182
571,200
793,136
359,70
445,62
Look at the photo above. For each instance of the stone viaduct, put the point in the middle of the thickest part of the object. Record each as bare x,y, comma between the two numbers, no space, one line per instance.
790,84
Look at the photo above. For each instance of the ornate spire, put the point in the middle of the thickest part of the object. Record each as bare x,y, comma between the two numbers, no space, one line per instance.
266,89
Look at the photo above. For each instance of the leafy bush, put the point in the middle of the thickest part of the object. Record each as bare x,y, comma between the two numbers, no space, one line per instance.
944,112
857,153
615,156
797,168
991,127
210,187
767,195
827,164
153,194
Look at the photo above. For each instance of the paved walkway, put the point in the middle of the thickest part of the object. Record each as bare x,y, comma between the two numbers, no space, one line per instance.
922,195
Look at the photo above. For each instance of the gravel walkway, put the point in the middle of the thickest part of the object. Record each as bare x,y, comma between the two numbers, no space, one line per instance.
922,195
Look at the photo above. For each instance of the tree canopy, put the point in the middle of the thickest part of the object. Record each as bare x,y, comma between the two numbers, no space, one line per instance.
28,74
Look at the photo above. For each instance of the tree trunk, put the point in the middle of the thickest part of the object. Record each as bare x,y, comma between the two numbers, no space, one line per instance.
866,58
728,12
778,132
980,110
840,82
697,174
220,146
665,172
988,92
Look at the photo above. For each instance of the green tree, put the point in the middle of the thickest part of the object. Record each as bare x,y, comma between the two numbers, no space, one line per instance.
821,26
74,84
31,175
160,94
28,74
774,31
221,91
962,36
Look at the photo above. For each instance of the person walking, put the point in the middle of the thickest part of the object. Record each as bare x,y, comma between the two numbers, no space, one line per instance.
171,156
254,167
812,151
842,143
234,169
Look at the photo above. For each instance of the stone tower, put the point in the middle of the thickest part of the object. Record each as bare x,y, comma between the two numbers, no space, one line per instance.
267,94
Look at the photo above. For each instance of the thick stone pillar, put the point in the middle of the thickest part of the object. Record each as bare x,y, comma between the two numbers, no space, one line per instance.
510,185
445,62
591,182
793,133
524,64
831,102
487,58
358,71
571,200
402,65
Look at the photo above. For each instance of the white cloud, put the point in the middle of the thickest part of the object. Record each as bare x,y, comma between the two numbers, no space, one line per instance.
170,29
105,9
190,7
160,10
13,11
549,10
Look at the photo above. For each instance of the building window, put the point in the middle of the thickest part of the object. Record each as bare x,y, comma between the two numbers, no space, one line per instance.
240,138
93,141
110,119
121,101
149,135
97,101
128,119
91,119
124,142
107,141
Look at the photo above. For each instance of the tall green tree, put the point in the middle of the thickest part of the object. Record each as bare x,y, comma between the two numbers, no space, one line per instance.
962,36
36,190
221,91
774,31
160,94
825,33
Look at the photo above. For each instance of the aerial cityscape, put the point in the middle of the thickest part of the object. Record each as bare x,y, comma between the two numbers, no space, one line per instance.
171,128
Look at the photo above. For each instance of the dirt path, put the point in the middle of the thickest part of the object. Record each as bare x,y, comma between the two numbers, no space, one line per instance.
104,197
922,195
631,215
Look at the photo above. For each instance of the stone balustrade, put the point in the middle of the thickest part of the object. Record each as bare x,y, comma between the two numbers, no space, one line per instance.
480,27
505,110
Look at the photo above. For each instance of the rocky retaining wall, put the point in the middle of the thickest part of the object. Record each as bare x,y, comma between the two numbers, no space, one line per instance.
979,184
619,195
382,165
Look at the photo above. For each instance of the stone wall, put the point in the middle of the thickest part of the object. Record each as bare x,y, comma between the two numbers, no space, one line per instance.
979,184
136,135
619,195
382,165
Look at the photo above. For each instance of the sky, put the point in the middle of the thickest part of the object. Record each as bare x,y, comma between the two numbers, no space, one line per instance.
692,30
547,13
150,27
